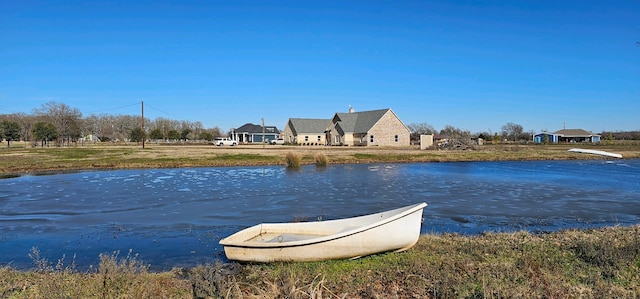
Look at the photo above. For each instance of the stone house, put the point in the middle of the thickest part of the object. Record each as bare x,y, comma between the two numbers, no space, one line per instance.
368,128
306,131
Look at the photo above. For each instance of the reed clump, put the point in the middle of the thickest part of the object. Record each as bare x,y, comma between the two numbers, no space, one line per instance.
115,277
321,160
292,160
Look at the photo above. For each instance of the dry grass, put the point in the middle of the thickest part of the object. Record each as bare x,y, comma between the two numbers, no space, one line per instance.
321,160
594,263
292,160
116,277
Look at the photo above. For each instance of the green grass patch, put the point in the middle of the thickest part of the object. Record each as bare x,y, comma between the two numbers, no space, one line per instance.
365,156
73,153
241,157
368,158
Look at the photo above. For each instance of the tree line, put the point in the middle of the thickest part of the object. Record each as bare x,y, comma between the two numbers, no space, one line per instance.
510,132
63,125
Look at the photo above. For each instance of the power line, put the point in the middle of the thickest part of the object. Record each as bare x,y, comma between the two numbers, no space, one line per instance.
11,110
115,108
164,112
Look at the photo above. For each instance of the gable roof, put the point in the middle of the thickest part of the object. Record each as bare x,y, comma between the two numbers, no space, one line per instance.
573,132
308,125
358,122
251,128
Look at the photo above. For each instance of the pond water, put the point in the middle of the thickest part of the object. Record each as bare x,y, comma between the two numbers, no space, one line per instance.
175,217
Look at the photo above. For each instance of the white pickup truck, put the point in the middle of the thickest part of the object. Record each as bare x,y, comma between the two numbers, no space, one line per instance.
224,141
277,141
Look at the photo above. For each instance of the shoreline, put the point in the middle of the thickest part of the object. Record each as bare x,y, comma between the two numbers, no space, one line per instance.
19,160
591,263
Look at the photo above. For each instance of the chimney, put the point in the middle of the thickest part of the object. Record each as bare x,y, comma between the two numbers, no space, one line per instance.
351,109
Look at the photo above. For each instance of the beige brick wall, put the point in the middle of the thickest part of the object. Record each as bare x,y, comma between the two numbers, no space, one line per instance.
312,138
385,131
384,134
287,134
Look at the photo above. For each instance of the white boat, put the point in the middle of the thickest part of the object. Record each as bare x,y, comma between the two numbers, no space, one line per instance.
394,230
595,152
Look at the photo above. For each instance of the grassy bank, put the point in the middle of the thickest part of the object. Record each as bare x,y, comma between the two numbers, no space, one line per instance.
594,263
20,159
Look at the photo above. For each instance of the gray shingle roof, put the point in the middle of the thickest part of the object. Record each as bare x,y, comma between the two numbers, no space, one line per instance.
309,125
359,122
573,132
251,128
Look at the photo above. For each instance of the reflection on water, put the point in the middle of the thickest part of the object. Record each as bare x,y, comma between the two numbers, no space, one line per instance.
175,217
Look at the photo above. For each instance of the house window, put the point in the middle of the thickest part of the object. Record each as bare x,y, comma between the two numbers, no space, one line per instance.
371,139
396,138
306,138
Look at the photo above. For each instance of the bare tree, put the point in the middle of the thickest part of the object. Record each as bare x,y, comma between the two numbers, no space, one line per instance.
65,118
418,129
215,131
454,132
512,131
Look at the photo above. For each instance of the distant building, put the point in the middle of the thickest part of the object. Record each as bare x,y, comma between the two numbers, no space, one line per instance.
306,131
368,128
250,133
90,138
566,136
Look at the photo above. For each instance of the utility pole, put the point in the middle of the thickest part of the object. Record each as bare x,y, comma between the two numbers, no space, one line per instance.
263,132
143,125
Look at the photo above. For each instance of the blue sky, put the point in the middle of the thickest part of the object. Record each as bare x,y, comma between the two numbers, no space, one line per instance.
475,65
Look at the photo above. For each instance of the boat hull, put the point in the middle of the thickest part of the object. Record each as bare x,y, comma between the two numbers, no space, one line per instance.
394,230
595,152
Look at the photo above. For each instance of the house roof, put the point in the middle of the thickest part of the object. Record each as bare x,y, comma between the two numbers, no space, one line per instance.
251,128
358,122
308,125
573,133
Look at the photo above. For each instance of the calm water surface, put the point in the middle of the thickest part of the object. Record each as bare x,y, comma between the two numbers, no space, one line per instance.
175,217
